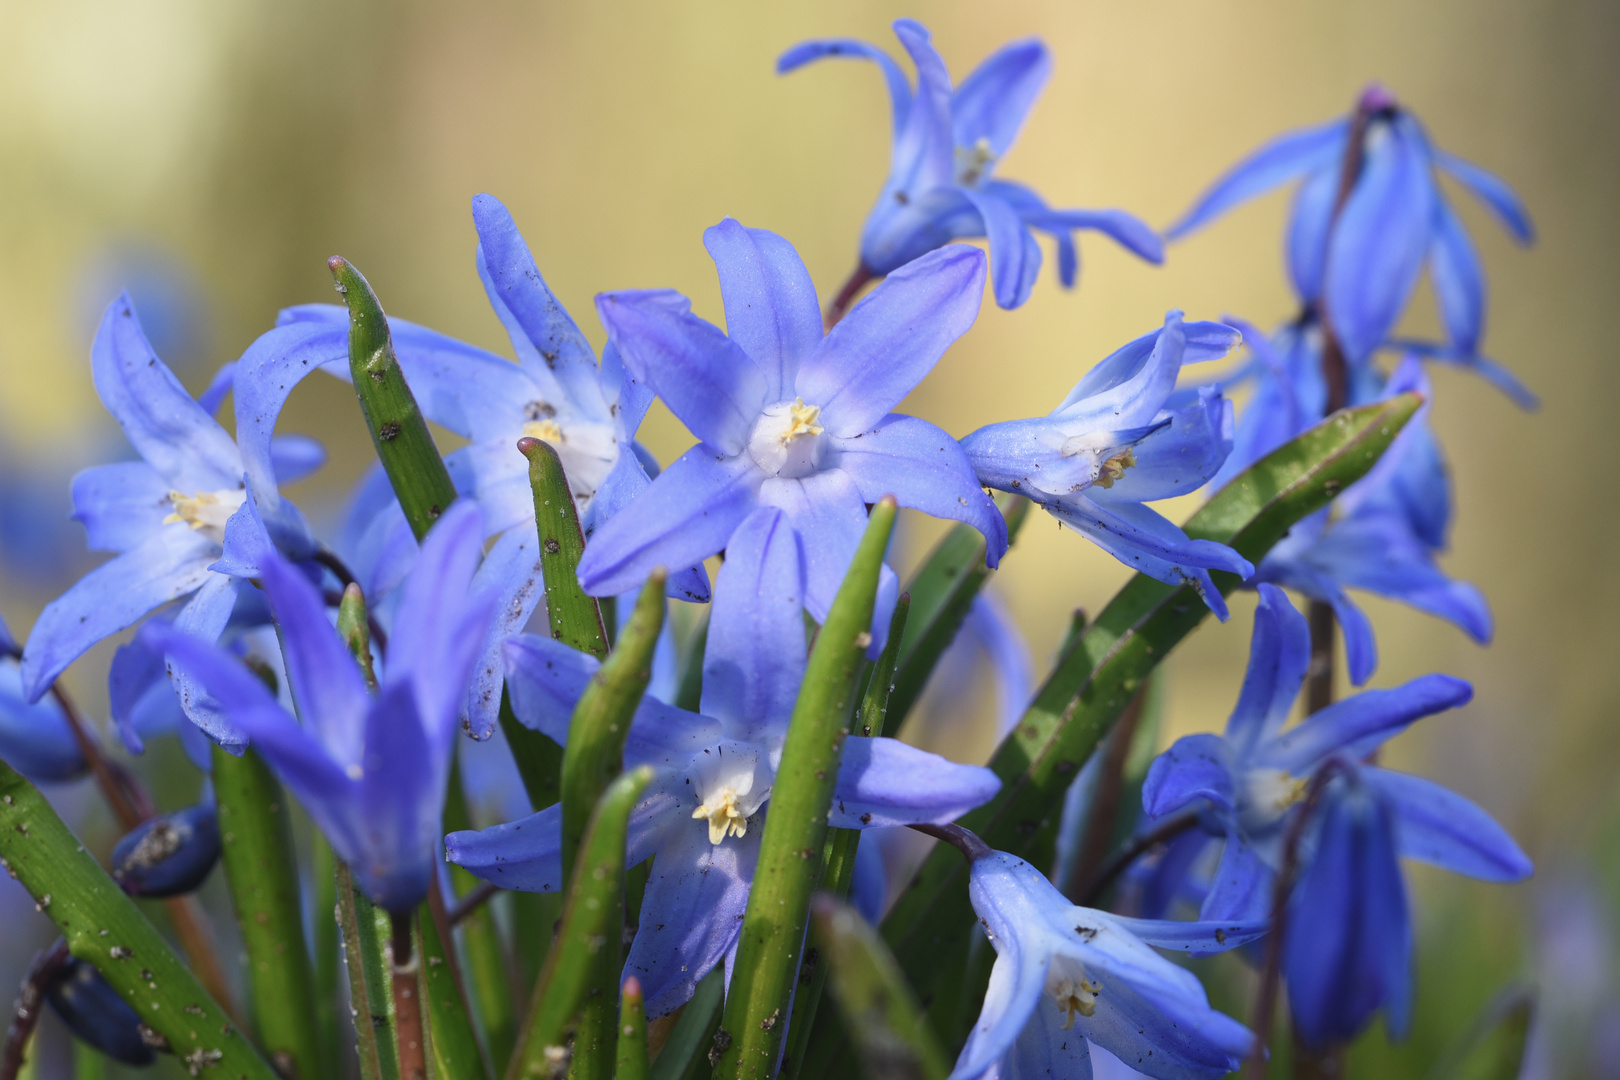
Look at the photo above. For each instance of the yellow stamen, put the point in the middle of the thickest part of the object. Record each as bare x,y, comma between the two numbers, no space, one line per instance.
545,430
1115,467
725,817
802,421
1076,999
973,162
205,511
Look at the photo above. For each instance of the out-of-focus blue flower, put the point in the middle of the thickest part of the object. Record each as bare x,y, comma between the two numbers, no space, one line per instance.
35,738
1251,780
1384,532
703,815
942,184
370,770
555,392
170,854
1070,979
1348,947
1120,440
792,418
94,1012
172,517
1362,260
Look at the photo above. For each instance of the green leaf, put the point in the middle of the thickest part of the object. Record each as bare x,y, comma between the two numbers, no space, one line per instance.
398,429
576,619
773,927
262,871
370,1002
105,928
884,1021
487,975
450,1029
686,1054
592,922
875,718
1493,1046
632,1049
942,593
1097,676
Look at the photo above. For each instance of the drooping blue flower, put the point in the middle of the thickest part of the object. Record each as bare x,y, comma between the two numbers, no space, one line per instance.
1120,440
170,854
35,738
942,184
1362,260
170,516
1250,781
555,392
1068,980
703,815
1383,533
371,771
789,417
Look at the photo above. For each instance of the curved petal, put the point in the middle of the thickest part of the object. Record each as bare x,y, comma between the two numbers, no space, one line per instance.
993,101
1308,230
1279,657
1443,828
293,457
1277,162
546,679
1196,767
525,855
1243,885
1179,456
1306,577
754,658
1380,240
1358,724
771,305
162,422
924,156
1197,938
549,345
1119,377
899,86
691,913
706,379
686,515
35,738
883,782
1013,276
892,339
829,516
120,505
205,616
510,572
111,597
1017,985
924,469
399,801
1125,229
1459,282
1044,1050
1494,192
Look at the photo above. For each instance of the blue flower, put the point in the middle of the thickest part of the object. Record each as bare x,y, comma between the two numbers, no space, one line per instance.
555,392
168,855
370,770
703,815
172,516
1069,981
791,418
1120,440
1362,260
941,184
1251,780
35,738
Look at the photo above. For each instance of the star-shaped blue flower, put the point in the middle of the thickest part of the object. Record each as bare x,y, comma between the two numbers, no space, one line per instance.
703,815
371,771
1120,440
942,184
1069,981
789,417
1363,260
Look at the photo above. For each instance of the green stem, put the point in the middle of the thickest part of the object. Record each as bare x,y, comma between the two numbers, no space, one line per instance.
454,1040
398,430
631,1057
323,870
875,717
591,923
488,974
105,928
576,619
689,1053
262,871
368,993
795,831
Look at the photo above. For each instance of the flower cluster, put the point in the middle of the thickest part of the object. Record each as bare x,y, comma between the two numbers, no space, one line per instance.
349,664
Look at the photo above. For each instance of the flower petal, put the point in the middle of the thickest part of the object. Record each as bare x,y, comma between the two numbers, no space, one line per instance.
35,738
1441,827
706,379
1279,657
1459,281
1277,162
525,855
510,573
1014,260
120,505
1358,724
924,156
1177,457
293,457
1308,227
771,305
899,86
1196,767
829,516
686,515
993,101
924,469
884,782
1494,192
1243,887
1125,229
205,616
892,339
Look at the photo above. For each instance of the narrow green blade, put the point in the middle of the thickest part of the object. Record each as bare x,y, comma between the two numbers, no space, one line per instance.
576,619
631,1057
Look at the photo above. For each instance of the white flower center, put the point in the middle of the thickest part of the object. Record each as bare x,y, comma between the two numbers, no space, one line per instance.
973,163
725,815
1075,994
1268,794
786,440
727,781
546,430
206,511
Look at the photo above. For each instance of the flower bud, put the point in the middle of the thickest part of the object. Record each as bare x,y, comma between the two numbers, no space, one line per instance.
94,1012
168,855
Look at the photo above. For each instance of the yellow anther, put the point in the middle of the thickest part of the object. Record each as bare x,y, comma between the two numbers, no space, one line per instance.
973,162
725,817
545,430
801,421
206,511
1115,467
1075,998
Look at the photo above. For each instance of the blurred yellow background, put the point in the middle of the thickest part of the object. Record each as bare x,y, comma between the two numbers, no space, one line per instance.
220,152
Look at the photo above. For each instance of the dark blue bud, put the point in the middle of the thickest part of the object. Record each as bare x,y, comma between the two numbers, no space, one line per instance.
94,1012
35,739
168,855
